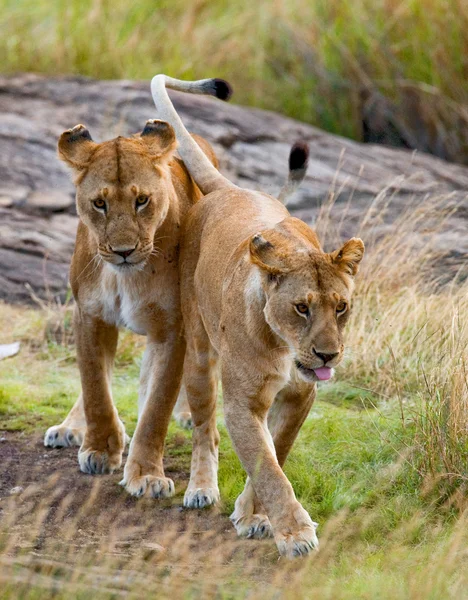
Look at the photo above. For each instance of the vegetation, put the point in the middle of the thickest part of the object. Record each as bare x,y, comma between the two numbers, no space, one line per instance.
322,62
381,463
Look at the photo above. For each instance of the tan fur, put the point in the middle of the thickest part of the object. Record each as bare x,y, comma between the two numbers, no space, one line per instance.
245,264
142,294
263,303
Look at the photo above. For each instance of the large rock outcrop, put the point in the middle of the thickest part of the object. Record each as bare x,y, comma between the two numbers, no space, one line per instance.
37,216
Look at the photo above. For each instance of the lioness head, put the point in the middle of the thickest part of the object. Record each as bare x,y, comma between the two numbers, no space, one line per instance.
122,188
308,293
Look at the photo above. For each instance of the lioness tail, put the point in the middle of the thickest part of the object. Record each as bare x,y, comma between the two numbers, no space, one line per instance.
207,177
298,161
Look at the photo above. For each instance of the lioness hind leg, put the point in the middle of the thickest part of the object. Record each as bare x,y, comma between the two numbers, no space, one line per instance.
181,411
288,413
71,431
202,384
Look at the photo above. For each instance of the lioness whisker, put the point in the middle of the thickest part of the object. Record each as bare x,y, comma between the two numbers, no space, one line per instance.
88,264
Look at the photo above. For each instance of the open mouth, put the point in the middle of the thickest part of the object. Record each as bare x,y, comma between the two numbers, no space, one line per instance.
321,373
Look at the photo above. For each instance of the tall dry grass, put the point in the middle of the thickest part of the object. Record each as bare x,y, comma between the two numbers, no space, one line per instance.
47,549
408,333
408,341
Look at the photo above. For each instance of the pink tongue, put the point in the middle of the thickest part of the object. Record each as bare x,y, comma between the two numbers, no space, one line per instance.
323,373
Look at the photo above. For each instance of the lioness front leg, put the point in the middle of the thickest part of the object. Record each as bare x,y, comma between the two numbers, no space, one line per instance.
104,440
285,418
246,412
160,379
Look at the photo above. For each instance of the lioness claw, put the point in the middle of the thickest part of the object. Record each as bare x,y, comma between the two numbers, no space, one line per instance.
300,544
201,497
95,462
150,485
256,527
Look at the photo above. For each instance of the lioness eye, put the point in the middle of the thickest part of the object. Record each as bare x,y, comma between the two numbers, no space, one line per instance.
303,309
99,204
141,201
341,307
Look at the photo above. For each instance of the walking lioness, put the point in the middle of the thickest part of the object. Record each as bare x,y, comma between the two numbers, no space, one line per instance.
131,194
262,301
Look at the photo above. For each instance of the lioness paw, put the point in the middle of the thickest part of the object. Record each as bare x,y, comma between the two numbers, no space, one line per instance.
184,419
103,457
60,436
296,535
300,543
96,462
201,497
149,485
255,527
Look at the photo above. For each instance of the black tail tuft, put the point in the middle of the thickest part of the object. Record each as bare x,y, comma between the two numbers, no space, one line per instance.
299,156
219,88
223,89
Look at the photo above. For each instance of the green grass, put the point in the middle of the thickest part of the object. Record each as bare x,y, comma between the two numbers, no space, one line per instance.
309,60
381,463
349,468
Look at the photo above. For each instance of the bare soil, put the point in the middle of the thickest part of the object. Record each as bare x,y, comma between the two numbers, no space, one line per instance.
55,500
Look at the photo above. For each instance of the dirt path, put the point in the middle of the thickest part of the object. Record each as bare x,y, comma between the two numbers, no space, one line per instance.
55,497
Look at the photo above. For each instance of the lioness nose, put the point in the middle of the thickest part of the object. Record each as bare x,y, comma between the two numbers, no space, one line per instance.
124,252
326,357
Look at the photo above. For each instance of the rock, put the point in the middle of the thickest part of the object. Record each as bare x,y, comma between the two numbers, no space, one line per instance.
37,221
50,201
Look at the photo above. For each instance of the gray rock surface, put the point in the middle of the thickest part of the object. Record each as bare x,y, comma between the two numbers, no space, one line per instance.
37,216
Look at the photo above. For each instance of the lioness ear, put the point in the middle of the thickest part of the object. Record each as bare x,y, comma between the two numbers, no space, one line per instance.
160,139
266,254
350,255
75,147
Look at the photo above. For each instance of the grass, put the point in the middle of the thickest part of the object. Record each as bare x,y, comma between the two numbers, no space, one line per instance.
381,462
327,62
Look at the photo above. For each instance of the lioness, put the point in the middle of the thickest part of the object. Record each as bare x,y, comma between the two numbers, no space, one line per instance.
131,194
261,300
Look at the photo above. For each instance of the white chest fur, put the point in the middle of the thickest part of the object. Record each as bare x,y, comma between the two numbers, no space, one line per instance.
126,299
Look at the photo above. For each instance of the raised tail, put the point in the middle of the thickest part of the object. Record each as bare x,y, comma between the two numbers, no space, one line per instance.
298,161
206,176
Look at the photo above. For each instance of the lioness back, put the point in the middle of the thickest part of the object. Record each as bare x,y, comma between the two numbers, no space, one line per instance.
215,228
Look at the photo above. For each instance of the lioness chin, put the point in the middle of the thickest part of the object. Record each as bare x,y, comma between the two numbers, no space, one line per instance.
131,195
263,303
